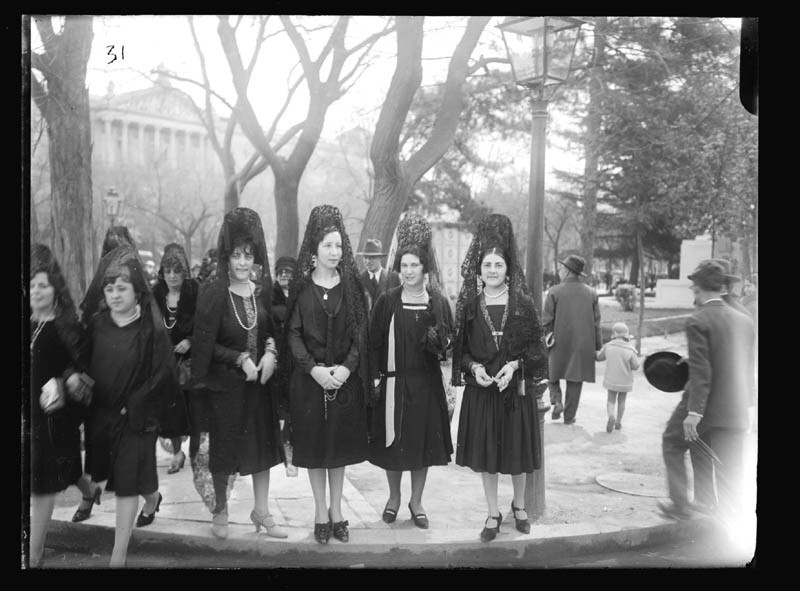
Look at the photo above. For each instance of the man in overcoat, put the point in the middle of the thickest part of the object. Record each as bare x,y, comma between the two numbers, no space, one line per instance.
375,279
713,412
572,314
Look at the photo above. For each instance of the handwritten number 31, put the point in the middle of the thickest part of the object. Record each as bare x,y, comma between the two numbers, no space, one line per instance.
113,55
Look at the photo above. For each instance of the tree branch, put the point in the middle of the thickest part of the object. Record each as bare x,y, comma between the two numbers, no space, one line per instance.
483,62
309,67
247,117
44,25
452,100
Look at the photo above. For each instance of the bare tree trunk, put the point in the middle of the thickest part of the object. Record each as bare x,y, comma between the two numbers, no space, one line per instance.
286,242
394,180
590,172
64,103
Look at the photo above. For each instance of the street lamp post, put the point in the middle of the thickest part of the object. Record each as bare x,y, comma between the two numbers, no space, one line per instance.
540,50
113,203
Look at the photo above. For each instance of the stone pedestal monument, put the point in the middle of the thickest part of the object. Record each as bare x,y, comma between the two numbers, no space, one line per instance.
676,293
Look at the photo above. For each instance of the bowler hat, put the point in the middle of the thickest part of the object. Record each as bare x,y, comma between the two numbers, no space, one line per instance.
374,248
575,264
709,275
664,372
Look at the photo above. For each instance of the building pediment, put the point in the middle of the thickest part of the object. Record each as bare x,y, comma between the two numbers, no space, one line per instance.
160,102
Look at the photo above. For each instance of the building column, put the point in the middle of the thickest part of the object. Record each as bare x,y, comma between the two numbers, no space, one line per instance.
125,157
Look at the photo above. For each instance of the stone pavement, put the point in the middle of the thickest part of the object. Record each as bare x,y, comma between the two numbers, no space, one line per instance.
601,494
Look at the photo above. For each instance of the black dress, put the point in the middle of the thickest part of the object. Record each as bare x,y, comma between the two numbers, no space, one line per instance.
498,432
55,437
421,421
132,379
244,433
327,431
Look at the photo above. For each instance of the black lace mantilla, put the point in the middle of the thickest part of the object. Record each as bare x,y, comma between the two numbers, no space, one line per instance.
497,231
321,218
242,225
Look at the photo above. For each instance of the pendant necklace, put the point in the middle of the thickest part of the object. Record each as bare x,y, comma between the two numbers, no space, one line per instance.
324,293
236,313
39,328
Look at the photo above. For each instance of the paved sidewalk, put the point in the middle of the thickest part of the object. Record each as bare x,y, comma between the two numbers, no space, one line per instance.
601,494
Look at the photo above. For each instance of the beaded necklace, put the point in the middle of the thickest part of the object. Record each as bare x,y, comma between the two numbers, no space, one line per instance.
235,313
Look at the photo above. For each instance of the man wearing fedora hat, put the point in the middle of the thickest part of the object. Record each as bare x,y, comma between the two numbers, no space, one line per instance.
375,279
728,295
713,412
571,319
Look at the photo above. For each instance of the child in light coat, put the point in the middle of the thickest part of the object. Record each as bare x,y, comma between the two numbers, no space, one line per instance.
621,361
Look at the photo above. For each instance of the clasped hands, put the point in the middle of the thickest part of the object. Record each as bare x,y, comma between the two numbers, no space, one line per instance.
502,378
330,378
266,366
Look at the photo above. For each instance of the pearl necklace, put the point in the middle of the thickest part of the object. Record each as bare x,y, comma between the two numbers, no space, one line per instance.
411,294
235,313
494,297
172,311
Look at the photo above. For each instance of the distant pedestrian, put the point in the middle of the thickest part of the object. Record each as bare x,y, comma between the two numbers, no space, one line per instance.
621,360
729,295
375,279
713,412
176,295
572,314
208,268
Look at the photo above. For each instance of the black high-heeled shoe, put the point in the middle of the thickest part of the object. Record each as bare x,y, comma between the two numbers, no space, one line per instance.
523,525
340,531
322,532
420,519
84,514
489,533
143,520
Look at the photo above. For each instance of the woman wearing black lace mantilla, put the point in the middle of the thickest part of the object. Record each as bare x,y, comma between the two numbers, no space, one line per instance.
410,331
498,342
326,336
233,356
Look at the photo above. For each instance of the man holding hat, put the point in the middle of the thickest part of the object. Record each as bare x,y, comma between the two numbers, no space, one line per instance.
712,418
571,319
376,279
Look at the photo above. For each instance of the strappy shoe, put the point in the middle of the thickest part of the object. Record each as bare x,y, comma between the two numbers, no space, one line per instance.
219,524
420,519
273,529
143,520
340,531
523,525
84,514
489,533
389,515
177,466
322,532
